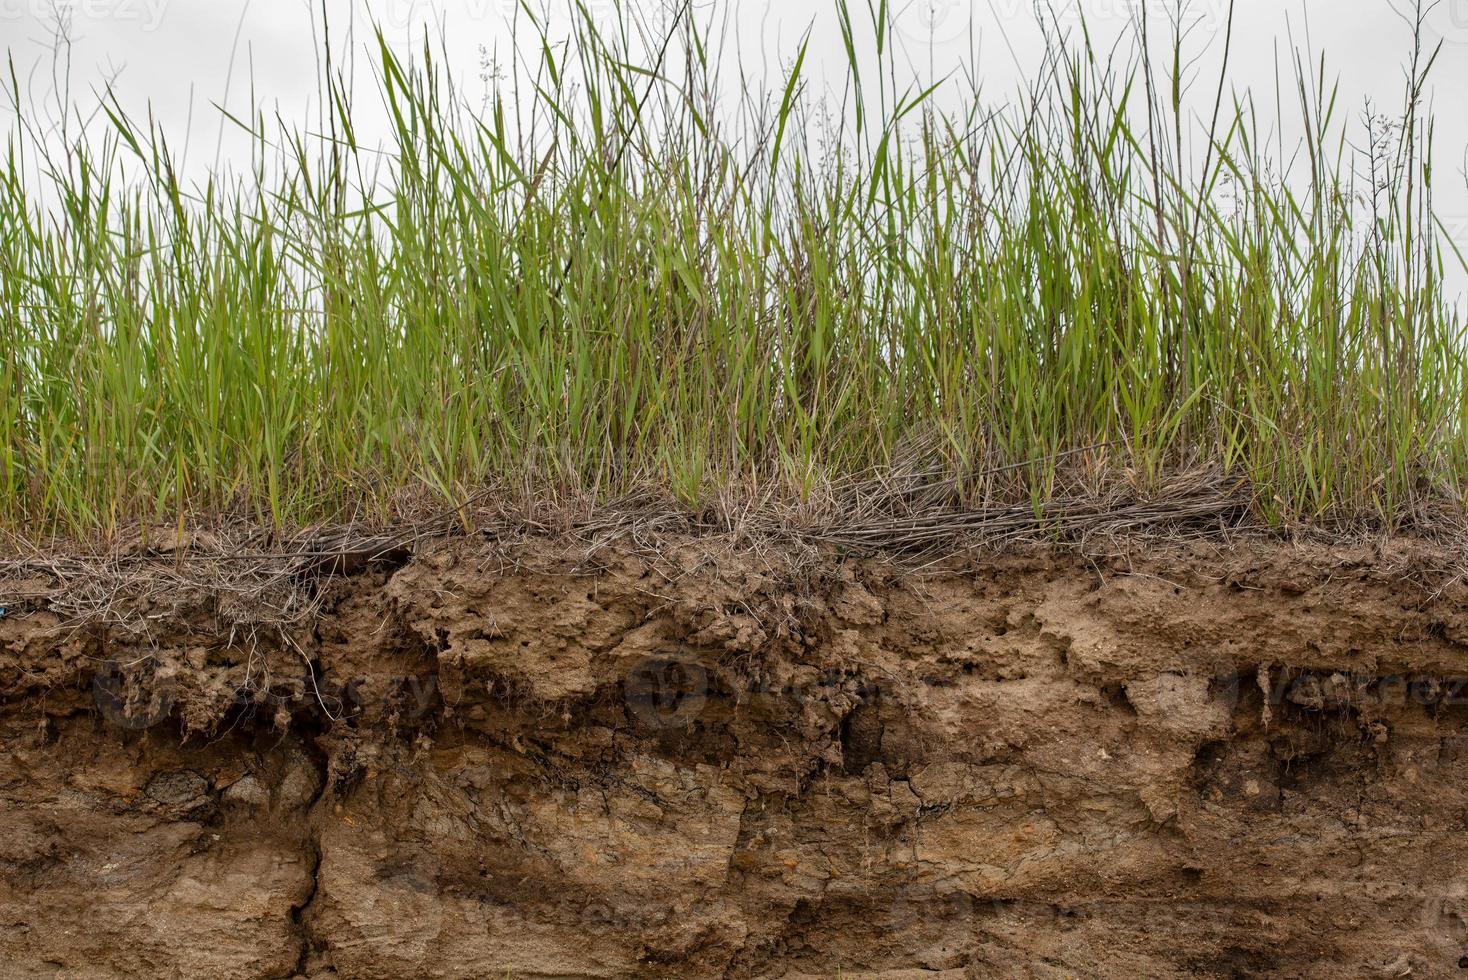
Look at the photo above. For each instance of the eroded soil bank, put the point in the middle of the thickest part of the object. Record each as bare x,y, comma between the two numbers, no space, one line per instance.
531,760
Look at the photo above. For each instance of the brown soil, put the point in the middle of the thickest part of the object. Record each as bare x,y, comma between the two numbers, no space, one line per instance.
532,760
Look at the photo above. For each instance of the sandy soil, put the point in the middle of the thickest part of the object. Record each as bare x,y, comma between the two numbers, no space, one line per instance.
529,760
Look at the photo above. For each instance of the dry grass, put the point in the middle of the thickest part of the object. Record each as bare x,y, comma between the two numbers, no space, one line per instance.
250,577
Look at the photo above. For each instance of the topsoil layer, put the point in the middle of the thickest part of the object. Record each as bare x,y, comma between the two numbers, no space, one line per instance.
537,760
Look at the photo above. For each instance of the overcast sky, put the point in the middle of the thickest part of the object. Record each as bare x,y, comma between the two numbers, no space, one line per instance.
181,56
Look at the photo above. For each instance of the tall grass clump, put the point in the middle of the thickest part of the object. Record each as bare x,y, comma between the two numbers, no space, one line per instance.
607,276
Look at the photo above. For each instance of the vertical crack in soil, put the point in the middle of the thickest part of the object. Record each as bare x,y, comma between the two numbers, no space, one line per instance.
300,912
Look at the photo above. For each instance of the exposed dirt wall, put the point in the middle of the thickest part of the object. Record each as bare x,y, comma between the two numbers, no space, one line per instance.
535,761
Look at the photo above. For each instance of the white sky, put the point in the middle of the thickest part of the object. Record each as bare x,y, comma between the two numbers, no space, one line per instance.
180,57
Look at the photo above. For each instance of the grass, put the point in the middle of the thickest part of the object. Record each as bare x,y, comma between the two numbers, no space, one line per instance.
605,279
